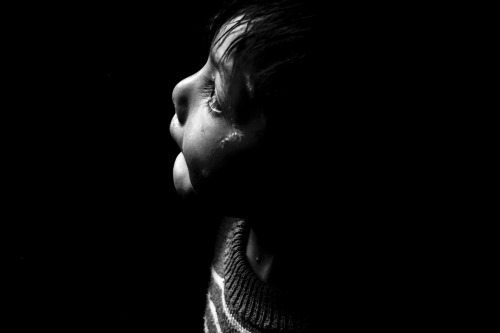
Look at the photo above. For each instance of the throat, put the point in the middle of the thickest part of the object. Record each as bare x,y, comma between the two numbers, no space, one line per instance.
260,255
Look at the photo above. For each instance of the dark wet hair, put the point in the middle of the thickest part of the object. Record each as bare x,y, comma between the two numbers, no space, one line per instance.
279,56
276,55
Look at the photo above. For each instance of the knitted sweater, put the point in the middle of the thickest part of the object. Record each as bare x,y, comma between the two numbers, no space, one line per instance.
237,300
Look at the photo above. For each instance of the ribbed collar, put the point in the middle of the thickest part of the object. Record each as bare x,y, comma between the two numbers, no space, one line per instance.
253,300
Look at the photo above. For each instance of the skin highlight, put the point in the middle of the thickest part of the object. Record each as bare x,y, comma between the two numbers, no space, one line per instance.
216,150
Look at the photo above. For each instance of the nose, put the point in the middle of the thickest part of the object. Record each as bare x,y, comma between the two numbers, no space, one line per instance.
181,96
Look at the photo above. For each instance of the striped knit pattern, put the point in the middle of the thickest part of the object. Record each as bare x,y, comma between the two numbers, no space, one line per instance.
237,300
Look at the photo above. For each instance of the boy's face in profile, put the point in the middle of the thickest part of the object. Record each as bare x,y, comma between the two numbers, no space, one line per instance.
217,159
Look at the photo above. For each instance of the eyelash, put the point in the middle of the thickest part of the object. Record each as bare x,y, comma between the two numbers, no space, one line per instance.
210,93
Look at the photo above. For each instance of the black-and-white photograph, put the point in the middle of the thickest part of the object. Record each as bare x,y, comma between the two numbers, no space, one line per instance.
224,166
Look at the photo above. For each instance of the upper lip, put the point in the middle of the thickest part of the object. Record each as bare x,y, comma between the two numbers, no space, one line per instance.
175,131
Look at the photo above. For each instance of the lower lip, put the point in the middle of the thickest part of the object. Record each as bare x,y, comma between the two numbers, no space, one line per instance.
182,182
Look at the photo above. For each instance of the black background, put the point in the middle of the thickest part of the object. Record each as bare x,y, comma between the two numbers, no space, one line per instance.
95,234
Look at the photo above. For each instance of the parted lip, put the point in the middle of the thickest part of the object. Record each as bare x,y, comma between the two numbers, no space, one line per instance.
175,131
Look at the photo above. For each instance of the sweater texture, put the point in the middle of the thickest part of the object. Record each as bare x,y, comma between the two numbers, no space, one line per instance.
237,300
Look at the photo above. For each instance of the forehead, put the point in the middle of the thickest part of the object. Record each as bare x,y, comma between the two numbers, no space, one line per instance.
224,38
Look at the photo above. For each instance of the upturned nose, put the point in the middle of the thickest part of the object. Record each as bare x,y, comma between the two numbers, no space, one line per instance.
181,99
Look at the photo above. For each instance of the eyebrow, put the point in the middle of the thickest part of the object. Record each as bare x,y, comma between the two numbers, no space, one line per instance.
221,68
217,64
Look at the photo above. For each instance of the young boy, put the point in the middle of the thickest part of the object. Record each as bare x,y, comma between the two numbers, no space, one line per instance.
244,123
310,134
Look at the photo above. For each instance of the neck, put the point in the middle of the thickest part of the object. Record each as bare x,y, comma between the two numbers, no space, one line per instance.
260,255
261,248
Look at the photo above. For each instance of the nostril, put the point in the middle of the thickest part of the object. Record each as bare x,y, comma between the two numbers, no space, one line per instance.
181,112
179,99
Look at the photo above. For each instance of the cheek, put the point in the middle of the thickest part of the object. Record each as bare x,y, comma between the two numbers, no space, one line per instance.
217,164
204,150
217,155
